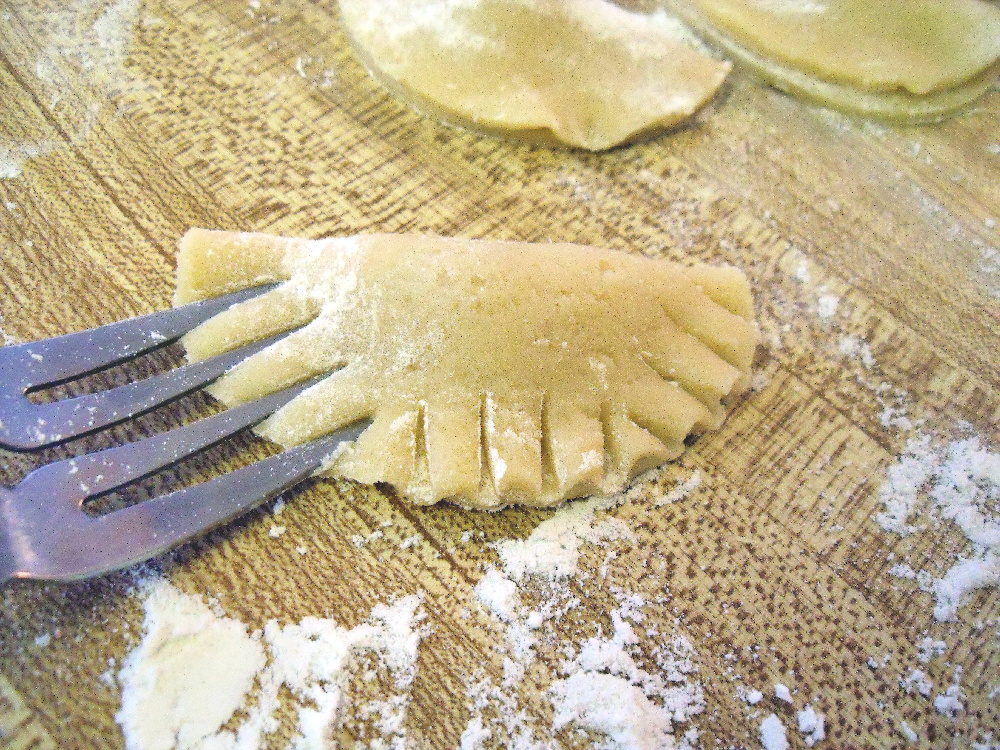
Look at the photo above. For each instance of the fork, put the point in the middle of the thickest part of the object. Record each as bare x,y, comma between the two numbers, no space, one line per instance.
45,530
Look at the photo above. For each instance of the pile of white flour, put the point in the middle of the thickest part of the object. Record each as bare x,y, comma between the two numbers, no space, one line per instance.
196,669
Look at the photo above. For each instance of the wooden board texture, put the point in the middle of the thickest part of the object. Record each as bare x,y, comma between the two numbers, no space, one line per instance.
124,124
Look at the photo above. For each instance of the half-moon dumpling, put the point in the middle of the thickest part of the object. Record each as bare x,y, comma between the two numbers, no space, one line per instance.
908,60
494,373
583,73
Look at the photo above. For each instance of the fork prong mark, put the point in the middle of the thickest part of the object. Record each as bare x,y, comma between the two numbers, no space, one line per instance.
39,364
76,480
28,426
142,531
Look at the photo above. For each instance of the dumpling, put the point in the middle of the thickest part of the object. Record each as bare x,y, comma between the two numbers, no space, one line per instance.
494,373
583,73
907,60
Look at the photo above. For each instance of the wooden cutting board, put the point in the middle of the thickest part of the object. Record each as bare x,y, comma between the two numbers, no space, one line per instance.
872,251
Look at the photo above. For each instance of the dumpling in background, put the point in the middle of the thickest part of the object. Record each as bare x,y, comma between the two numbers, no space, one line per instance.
581,73
908,60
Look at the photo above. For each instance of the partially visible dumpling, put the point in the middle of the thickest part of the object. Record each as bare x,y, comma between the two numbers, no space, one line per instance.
582,73
494,373
907,60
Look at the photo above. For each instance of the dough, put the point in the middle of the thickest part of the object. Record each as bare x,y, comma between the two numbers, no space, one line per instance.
583,73
909,60
494,372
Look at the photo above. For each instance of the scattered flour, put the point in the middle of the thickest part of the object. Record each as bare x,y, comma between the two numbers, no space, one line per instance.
859,349
961,580
918,681
474,734
929,649
190,673
88,41
772,734
682,490
553,548
874,663
359,540
606,691
958,482
950,702
499,594
195,669
601,688
895,403
314,660
93,38
989,267
5,338
811,725
782,693
613,707
511,722
826,306
13,157
987,743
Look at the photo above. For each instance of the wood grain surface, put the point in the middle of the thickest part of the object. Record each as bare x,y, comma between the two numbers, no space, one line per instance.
123,124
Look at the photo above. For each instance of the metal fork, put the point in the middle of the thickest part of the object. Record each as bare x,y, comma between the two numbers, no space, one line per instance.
45,532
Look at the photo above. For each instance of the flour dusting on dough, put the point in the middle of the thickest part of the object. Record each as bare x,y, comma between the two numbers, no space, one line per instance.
494,373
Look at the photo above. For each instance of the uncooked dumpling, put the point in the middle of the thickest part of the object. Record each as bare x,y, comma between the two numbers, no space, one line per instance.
896,59
582,73
494,372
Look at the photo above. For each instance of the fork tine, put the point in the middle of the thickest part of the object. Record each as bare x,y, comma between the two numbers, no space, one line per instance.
142,531
44,532
26,367
76,480
28,426
53,361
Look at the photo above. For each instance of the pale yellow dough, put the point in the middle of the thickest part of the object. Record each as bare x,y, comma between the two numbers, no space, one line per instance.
908,60
494,372
583,73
